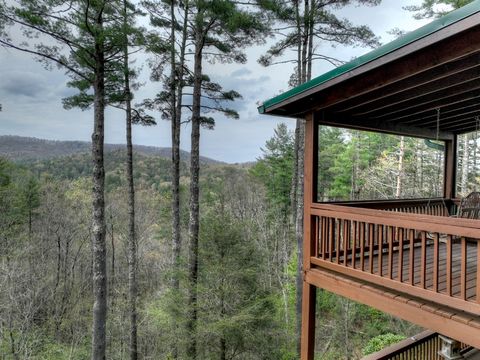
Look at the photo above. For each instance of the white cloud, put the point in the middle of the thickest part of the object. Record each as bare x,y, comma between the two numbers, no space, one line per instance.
31,96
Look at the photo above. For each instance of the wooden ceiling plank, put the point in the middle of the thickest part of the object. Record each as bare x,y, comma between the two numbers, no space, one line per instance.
457,116
380,126
432,112
386,107
410,88
424,58
466,123
444,99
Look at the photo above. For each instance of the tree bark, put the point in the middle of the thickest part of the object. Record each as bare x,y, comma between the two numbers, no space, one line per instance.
401,155
132,241
98,221
194,198
465,161
177,74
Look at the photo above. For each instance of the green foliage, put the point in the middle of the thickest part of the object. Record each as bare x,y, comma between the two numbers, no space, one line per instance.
275,168
359,165
234,309
152,171
435,8
380,342
310,26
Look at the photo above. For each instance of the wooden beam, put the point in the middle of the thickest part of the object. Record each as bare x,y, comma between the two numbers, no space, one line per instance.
467,122
430,114
310,194
424,314
422,78
409,93
447,45
436,98
449,186
308,322
309,189
433,105
380,126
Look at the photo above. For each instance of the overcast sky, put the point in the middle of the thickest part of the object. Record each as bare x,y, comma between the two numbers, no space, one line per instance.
31,96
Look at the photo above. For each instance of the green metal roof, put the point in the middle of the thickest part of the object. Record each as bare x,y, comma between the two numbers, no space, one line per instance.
413,36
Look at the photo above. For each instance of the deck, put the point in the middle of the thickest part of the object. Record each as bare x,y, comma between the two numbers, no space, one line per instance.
471,267
409,259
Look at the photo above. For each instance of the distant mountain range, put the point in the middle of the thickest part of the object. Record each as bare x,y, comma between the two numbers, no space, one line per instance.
25,149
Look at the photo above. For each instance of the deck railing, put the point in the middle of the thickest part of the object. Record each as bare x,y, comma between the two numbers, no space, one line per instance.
415,253
435,206
426,345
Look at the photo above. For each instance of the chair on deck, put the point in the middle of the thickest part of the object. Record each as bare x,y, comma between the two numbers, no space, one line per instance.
470,207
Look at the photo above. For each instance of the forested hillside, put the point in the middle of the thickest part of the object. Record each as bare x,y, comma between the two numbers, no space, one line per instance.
246,254
27,149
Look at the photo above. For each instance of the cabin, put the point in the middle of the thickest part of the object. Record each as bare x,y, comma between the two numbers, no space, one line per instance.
407,257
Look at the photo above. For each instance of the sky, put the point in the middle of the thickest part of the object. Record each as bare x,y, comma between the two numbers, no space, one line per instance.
31,95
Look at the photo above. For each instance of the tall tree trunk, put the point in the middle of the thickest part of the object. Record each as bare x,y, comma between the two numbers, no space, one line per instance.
178,70
465,161
194,199
401,156
112,263
223,340
177,74
300,139
132,241
98,222
354,193
304,59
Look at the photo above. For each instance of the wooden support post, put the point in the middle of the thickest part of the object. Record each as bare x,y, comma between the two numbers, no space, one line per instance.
310,195
309,189
449,183
308,321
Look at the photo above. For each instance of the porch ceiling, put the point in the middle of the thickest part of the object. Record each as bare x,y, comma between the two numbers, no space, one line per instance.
429,80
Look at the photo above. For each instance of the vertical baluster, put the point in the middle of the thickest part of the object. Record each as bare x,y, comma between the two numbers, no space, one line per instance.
339,239
463,271
449,265
411,258
401,233
318,235
354,242
331,238
361,229
346,233
371,228
477,284
435,262
323,229
324,238
390,238
380,249
424,260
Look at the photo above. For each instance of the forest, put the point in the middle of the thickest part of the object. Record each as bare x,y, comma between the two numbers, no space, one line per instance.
122,254
247,259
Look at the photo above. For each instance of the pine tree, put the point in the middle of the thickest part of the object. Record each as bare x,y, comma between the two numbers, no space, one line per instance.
224,27
82,38
301,25
435,8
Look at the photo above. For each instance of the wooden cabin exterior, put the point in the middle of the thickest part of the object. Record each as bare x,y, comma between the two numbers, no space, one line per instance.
408,258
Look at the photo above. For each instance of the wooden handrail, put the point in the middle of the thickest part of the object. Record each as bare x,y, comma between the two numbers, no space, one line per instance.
401,219
389,204
425,345
403,347
391,249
